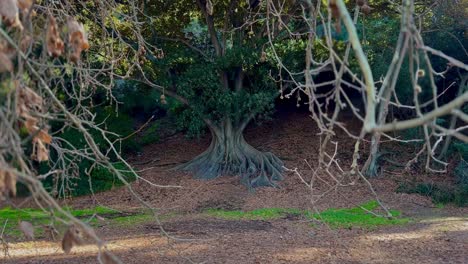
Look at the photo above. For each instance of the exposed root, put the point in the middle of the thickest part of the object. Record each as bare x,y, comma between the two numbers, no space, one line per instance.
236,157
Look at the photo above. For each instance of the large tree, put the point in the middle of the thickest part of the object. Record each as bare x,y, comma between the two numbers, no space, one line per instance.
216,66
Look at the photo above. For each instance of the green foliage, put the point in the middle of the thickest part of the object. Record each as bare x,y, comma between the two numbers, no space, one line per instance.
120,124
198,82
99,179
149,135
440,194
102,179
461,172
461,148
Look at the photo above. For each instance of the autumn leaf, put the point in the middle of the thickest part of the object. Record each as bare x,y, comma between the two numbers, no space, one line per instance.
44,136
40,150
10,14
28,101
54,43
77,39
26,41
5,63
107,258
25,5
7,183
72,236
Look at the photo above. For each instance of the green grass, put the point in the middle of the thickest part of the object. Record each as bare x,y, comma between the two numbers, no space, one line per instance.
39,218
358,217
138,219
10,217
258,214
336,218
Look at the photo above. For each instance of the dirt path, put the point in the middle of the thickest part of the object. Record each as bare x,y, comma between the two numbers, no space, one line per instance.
436,235
202,240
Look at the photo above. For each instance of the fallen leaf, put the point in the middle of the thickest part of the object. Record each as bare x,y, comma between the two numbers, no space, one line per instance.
54,43
72,236
67,242
27,229
10,14
107,258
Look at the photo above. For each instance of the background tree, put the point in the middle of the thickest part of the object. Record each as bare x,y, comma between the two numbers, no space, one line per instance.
216,65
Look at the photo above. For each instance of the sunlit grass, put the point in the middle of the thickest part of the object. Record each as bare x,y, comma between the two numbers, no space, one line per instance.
358,217
335,218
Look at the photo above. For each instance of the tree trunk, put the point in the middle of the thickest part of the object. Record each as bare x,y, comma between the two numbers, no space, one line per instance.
230,154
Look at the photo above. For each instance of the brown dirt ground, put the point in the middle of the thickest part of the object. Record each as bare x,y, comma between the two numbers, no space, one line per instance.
437,235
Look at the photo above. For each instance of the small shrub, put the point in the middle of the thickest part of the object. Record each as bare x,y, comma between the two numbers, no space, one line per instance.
150,135
440,194
461,195
101,179
461,173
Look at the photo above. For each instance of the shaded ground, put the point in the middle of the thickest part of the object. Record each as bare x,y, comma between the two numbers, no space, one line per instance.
436,235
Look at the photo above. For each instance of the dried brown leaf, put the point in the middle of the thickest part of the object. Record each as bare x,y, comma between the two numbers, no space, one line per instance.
106,257
5,63
67,242
55,44
263,56
72,236
7,183
209,7
31,124
43,136
25,5
40,151
26,41
10,14
10,183
77,39
27,229
28,101
2,182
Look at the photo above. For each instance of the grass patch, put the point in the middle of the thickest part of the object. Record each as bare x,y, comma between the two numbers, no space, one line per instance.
336,218
258,214
10,217
358,217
